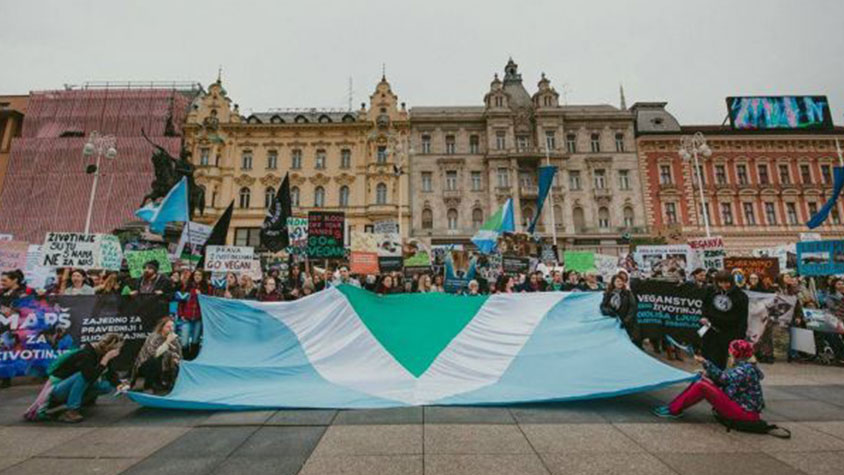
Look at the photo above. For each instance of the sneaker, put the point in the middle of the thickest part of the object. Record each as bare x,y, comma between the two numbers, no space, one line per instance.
663,412
71,416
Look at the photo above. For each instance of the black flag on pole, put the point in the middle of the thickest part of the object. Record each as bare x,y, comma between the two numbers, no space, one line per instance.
274,231
218,233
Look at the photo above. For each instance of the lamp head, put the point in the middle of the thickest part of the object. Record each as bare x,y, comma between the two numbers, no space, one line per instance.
111,153
89,149
705,150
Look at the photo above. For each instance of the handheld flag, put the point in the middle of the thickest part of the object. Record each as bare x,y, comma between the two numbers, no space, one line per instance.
218,233
274,231
546,178
173,208
821,215
502,221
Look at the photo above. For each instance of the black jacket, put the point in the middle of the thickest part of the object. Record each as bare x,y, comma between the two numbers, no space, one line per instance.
85,361
620,304
727,312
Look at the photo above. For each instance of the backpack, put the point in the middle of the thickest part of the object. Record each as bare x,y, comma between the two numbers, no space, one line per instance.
753,427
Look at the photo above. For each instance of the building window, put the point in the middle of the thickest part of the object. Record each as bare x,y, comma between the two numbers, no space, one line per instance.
345,158
826,172
245,196
720,175
476,181
741,174
477,218
426,181
247,237
522,142
296,159
558,216
246,160
269,196
665,175
600,179
763,174
427,219
452,218
574,180
749,215
670,213
571,143
319,197
450,147
294,196
272,160
624,179
381,194
628,217
770,214
204,153
320,159
527,217
700,175
499,101
603,218
578,219
726,214
805,174
703,212
791,213
550,140
526,180
595,143
451,180
619,142
344,196
500,140
381,155
836,218
813,209
474,144
426,144
503,178
785,176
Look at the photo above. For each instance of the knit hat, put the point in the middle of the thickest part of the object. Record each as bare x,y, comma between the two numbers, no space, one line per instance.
741,349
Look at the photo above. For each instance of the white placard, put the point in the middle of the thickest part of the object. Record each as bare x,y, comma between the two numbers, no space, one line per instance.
229,258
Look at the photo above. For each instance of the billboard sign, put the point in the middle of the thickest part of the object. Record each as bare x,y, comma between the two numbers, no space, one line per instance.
779,112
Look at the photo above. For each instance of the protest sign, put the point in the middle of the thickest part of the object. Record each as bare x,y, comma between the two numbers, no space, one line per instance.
13,255
822,321
192,242
37,276
325,234
580,261
76,250
514,265
710,251
810,237
548,253
236,259
767,268
490,267
820,257
363,263
137,259
38,330
665,261
390,263
7,237
385,227
786,254
666,308
764,310
363,242
297,231
389,244
111,255
606,265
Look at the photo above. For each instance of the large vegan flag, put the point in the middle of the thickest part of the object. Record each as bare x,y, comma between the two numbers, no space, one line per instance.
502,221
274,231
174,207
838,184
546,178
346,347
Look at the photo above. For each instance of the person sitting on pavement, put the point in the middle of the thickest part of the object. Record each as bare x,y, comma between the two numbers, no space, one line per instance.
735,394
159,358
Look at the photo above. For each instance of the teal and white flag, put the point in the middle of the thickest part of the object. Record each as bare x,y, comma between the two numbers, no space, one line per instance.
346,347
174,207
502,221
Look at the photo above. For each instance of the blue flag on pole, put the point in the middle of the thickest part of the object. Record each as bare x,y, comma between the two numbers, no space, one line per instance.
502,221
546,178
174,207
820,217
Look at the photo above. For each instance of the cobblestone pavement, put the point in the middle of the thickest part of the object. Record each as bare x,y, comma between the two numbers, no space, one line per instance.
615,435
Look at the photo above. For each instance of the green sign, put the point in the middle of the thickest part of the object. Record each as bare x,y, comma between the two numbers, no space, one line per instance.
580,261
137,259
420,259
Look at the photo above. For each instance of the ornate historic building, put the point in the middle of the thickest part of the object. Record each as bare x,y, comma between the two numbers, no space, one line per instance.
337,160
468,160
760,187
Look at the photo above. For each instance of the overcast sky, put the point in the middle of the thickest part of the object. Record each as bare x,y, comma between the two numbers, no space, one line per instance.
302,53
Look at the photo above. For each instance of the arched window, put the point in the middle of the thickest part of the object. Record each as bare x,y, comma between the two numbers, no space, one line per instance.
245,195
628,217
319,197
452,218
477,218
246,160
269,196
344,196
381,194
579,221
427,219
294,196
603,218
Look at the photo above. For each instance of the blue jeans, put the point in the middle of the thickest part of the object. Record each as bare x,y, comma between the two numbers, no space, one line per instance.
72,390
189,332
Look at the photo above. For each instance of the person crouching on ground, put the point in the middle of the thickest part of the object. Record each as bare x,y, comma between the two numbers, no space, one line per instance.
735,393
159,358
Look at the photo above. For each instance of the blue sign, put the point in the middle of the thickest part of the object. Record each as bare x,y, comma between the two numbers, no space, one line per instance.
820,257
779,112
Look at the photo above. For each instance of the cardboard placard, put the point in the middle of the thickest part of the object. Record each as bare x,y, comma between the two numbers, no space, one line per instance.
363,263
297,230
236,259
81,251
326,231
137,259
580,261
710,251
767,268
192,242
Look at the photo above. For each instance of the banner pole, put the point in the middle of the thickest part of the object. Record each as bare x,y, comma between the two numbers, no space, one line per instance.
551,195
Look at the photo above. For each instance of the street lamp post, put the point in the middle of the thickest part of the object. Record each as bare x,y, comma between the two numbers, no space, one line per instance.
690,147
98,145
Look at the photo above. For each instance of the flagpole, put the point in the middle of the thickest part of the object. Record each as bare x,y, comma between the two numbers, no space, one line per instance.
840,156
551,195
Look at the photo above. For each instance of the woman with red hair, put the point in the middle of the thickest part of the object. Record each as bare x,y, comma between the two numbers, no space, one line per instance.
735,393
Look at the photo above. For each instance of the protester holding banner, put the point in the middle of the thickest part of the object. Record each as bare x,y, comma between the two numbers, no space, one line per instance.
620,303
269,291
725,314
189,313
78,284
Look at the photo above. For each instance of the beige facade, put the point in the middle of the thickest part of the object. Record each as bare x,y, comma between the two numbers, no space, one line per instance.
336,160
468,160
